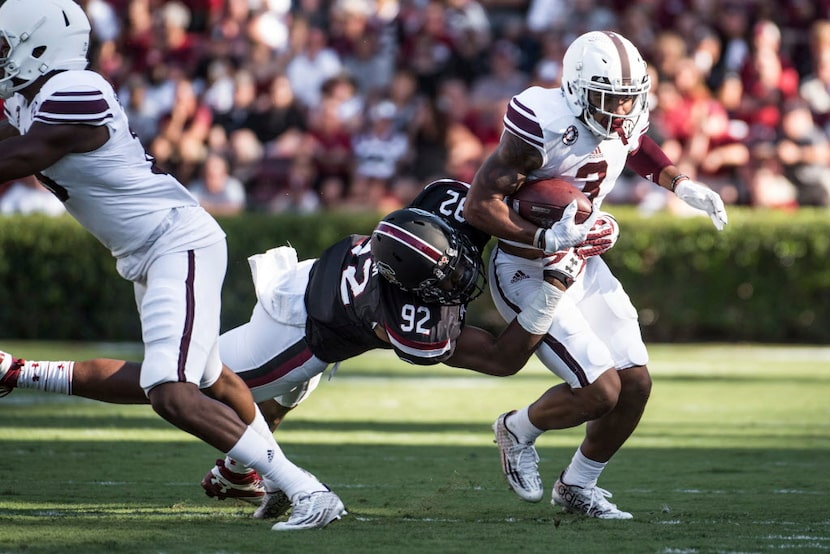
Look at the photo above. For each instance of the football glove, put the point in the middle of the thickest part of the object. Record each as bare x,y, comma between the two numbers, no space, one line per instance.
703,198
601,238
565,266
566,232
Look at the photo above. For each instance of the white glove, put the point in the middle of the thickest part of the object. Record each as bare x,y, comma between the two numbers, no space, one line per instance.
703,198
601,238
566,232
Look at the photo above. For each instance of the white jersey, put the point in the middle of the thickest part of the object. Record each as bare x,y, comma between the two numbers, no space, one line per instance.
542,118
115,192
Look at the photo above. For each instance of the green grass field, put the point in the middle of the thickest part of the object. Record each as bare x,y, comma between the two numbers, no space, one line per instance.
732,456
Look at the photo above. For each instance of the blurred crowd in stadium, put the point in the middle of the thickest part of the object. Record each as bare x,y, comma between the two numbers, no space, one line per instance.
307,105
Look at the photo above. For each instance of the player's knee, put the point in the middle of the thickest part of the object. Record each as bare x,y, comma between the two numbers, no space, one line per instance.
168,401
601,396
636,385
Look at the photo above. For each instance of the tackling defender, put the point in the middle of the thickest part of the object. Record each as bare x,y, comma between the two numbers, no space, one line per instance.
588,131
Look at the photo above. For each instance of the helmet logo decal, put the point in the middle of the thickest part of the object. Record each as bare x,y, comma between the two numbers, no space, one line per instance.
628,127
570,136
387,272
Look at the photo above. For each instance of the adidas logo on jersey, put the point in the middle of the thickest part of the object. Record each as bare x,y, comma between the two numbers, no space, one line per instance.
519,276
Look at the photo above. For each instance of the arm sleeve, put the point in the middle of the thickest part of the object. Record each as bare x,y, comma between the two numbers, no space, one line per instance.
648,160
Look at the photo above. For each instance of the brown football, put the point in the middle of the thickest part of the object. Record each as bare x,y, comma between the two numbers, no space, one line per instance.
543,201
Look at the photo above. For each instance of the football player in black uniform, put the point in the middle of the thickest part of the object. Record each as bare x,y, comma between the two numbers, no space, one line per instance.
406,287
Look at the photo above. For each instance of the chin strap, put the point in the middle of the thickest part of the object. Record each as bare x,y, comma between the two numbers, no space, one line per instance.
617,125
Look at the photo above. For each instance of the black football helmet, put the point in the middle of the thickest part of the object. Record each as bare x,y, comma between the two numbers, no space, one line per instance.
419,252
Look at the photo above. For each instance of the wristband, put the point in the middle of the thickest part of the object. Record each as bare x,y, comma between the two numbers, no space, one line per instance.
677,179
539,238
537,317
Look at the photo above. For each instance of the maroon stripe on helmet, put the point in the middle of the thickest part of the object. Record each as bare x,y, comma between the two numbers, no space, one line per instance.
410,240
190,309
625,66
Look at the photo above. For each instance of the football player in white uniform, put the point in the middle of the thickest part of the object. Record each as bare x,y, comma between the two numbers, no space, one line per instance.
65,125
586,131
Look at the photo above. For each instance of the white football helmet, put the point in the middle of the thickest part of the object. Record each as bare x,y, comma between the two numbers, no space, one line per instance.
601,73
40,36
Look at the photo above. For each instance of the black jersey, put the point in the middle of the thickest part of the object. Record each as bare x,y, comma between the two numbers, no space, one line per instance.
445,198
346,298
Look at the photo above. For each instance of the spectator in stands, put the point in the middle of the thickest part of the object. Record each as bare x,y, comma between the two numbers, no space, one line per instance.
279,111
465,150
700,125
176,45
380,151
404,94
298,194
490,93
142,113
815,88
312,63
217,191
803,151
331,143
228,36
183,132
427,47
242,111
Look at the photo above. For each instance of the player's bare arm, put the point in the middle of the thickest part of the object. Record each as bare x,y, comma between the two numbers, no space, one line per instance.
502,356
501,174
43,145
508,353
7,130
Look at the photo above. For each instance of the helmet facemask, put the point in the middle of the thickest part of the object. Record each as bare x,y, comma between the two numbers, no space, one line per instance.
602,102
459,280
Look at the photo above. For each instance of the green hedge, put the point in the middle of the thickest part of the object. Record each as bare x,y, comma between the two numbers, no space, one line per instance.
765,278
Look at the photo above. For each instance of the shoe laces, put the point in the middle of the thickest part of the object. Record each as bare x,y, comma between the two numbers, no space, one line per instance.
527,459
599,498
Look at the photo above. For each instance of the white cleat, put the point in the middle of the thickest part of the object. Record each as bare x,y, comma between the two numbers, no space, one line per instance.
312,511
591,502
519,462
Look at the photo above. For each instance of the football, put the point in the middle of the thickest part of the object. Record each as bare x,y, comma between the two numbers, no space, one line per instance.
543,201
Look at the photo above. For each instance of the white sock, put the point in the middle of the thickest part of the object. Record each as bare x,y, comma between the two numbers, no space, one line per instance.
47,376
583,472
277,471
261,427
236,466
519,423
